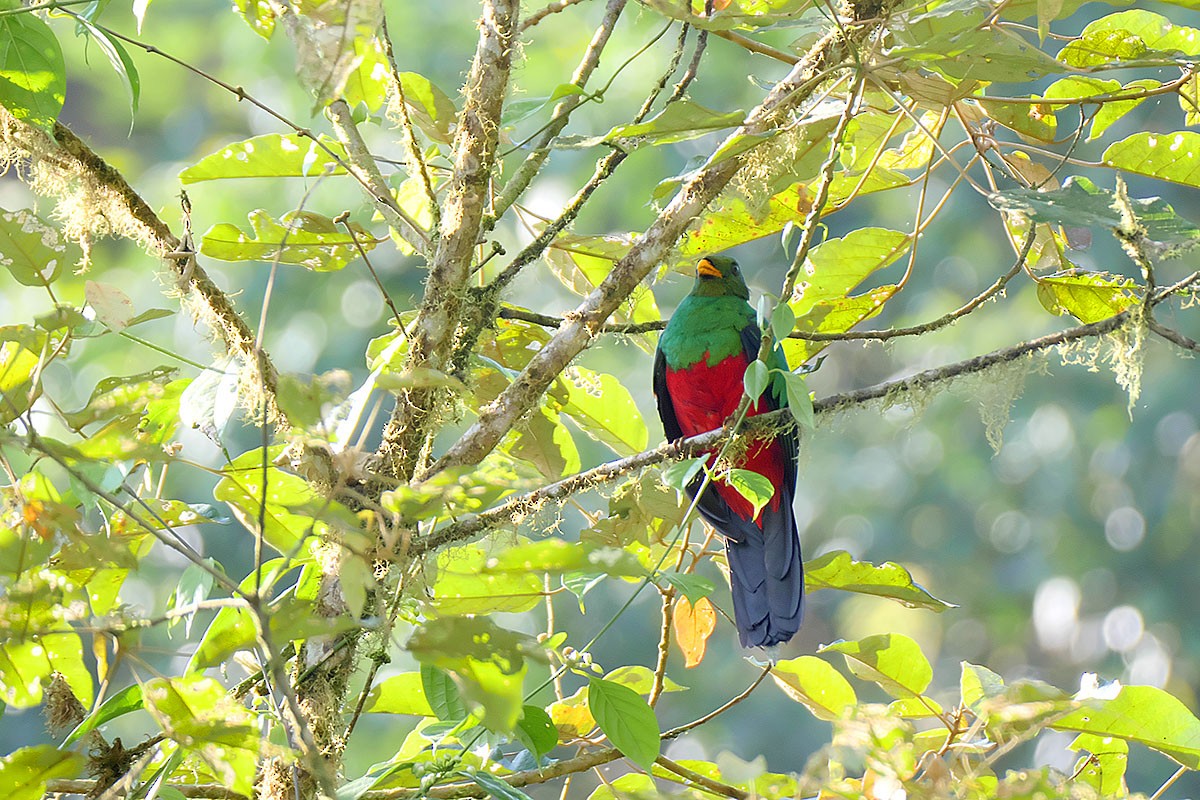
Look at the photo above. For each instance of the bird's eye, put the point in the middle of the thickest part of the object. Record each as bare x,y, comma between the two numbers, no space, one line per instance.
736,271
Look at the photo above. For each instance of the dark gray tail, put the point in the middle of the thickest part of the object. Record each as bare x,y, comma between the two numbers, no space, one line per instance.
767,579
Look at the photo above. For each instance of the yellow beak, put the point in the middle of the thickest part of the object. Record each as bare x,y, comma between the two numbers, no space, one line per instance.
706,269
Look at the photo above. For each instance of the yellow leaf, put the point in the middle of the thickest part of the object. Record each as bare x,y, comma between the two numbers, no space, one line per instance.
693,626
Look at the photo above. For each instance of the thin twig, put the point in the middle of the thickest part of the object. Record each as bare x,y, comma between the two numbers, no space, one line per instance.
541,14
1179,773
532,165
664,645
343,218
703,781
752,46
411,143
198,791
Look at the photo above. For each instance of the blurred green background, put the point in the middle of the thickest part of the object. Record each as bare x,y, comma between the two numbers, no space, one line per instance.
1068,550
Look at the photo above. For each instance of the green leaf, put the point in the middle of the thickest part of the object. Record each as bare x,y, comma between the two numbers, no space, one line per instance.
537,731
295,511
194,584
558,555
489,662
1128,35
24,773
122,64
123,702
892,660
782,321
1089,297
641,679
1084,86
680,473
369,81
978,684
463,587
400,694
199,710
31,249
754,381
836,266
693,586
495,787
1080,203
1100,47
817,685
626,720
1104,771
602,407
1172,157
955,39
33,80
799,400
258,14
757,489
1189,100
838,570
517,110
1036,120
678,122
1113,110
25,664
272,155
822,301
1143,714
735,222
544,441
303,238
441,693
432,109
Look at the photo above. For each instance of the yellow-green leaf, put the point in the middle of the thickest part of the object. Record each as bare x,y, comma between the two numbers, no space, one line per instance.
816,684
303,238
272,155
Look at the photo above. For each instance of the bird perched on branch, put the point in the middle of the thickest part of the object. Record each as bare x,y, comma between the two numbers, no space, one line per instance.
698,372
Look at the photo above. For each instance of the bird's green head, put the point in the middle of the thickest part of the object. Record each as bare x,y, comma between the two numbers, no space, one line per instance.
717,276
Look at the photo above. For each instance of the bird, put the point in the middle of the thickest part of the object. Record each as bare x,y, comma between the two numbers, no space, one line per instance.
699,365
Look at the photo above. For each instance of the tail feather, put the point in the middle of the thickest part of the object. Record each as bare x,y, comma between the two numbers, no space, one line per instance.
767,580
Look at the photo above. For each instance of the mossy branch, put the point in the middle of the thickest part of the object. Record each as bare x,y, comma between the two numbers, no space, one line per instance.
68,169
475,142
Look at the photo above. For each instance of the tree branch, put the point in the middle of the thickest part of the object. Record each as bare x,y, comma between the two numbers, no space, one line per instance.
202,791
475,150
362,165
124,213
691,776
690,202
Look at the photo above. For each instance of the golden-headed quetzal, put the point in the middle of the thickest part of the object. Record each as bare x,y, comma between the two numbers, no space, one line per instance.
698,370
